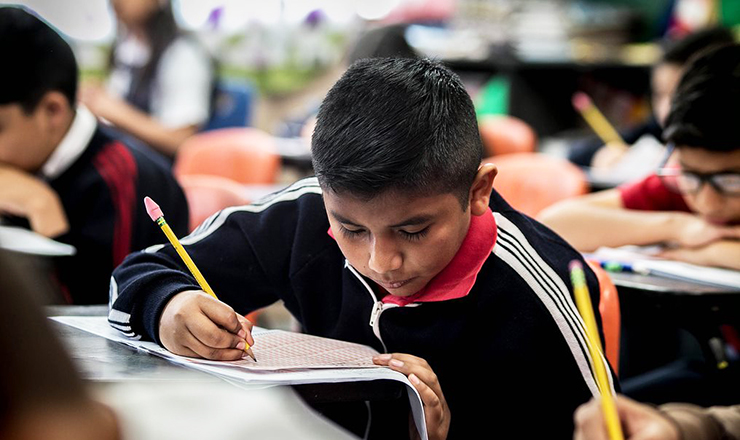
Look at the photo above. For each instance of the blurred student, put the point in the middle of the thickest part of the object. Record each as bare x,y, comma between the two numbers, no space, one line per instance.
161,79
673,421
398,244
41,396
63,174
663,81
692,204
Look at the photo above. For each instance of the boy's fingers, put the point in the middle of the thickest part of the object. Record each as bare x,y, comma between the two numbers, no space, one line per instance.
428,396
211,335
246,326
217,354
221,314
408,365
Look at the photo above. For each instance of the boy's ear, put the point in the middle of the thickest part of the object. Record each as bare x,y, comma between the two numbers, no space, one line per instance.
56,110
480,190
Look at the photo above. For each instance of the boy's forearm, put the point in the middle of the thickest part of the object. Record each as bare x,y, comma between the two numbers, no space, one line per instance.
723,253
587,227
142,126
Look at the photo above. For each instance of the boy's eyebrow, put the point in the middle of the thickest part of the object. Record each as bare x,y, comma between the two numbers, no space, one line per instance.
342,219
413,221
695,171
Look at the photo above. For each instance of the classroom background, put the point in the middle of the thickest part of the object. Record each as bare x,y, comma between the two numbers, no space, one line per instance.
522,58
522,62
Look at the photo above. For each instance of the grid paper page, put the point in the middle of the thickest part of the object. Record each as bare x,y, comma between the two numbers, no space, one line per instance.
282,350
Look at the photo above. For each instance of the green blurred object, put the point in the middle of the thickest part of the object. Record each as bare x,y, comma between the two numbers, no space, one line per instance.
729,13
651,12
493,98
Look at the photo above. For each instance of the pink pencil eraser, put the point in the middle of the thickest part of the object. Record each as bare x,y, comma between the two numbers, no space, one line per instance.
152,209
581,101
575,264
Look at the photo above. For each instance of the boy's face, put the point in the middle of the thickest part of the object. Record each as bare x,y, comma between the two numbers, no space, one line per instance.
402,241
25,139
707,202
663,81
399,241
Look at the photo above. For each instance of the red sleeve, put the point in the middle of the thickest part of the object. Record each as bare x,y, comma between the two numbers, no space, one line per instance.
649,194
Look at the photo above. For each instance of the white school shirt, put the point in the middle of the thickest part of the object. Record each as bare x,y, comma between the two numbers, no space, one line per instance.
181,87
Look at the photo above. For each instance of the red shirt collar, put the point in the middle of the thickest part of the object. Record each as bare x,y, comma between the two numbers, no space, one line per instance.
458,277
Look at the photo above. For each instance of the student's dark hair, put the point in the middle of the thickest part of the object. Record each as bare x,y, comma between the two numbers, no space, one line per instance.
397,124
36,60
681,51
706,105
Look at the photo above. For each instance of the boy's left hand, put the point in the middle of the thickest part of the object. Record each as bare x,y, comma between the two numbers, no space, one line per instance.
425,381
25,195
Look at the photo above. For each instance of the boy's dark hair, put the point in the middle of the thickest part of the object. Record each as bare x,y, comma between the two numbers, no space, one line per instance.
397,124
681,51
706,106
36,60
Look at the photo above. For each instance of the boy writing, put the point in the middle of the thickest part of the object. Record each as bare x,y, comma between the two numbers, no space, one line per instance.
69,178
693,203
398,243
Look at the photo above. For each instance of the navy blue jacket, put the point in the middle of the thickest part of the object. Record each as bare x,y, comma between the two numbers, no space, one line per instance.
102,193
510,356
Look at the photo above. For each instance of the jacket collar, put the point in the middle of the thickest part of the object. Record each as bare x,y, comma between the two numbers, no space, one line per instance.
457,279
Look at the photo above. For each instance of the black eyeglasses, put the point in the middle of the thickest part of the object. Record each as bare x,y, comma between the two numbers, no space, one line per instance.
689,182
726,183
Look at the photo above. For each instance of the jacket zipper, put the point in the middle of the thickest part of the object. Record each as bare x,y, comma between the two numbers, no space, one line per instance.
378,306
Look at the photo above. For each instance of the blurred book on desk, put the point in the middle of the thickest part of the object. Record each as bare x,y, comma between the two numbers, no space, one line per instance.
22,240
642,260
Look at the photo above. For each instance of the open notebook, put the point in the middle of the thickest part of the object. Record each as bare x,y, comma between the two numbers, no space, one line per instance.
642,261
285,358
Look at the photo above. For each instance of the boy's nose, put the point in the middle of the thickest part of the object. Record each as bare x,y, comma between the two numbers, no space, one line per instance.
709,199
384,256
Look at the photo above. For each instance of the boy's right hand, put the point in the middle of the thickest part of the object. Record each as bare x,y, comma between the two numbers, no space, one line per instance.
639,422
195,324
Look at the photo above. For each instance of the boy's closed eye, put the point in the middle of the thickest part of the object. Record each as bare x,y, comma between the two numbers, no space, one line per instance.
412,235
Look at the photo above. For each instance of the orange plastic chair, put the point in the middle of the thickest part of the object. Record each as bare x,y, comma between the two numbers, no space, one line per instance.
245,155
611,318
207,195
502,134
530,182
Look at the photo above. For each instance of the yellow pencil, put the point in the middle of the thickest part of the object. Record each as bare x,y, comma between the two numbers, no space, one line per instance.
155,212
597,121
583,301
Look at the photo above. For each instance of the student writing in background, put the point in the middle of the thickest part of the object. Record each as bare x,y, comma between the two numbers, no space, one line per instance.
400,244
664,78
70,178
161,79
691,204
673,421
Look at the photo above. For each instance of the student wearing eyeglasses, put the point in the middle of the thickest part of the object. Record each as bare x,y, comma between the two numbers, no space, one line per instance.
692,203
